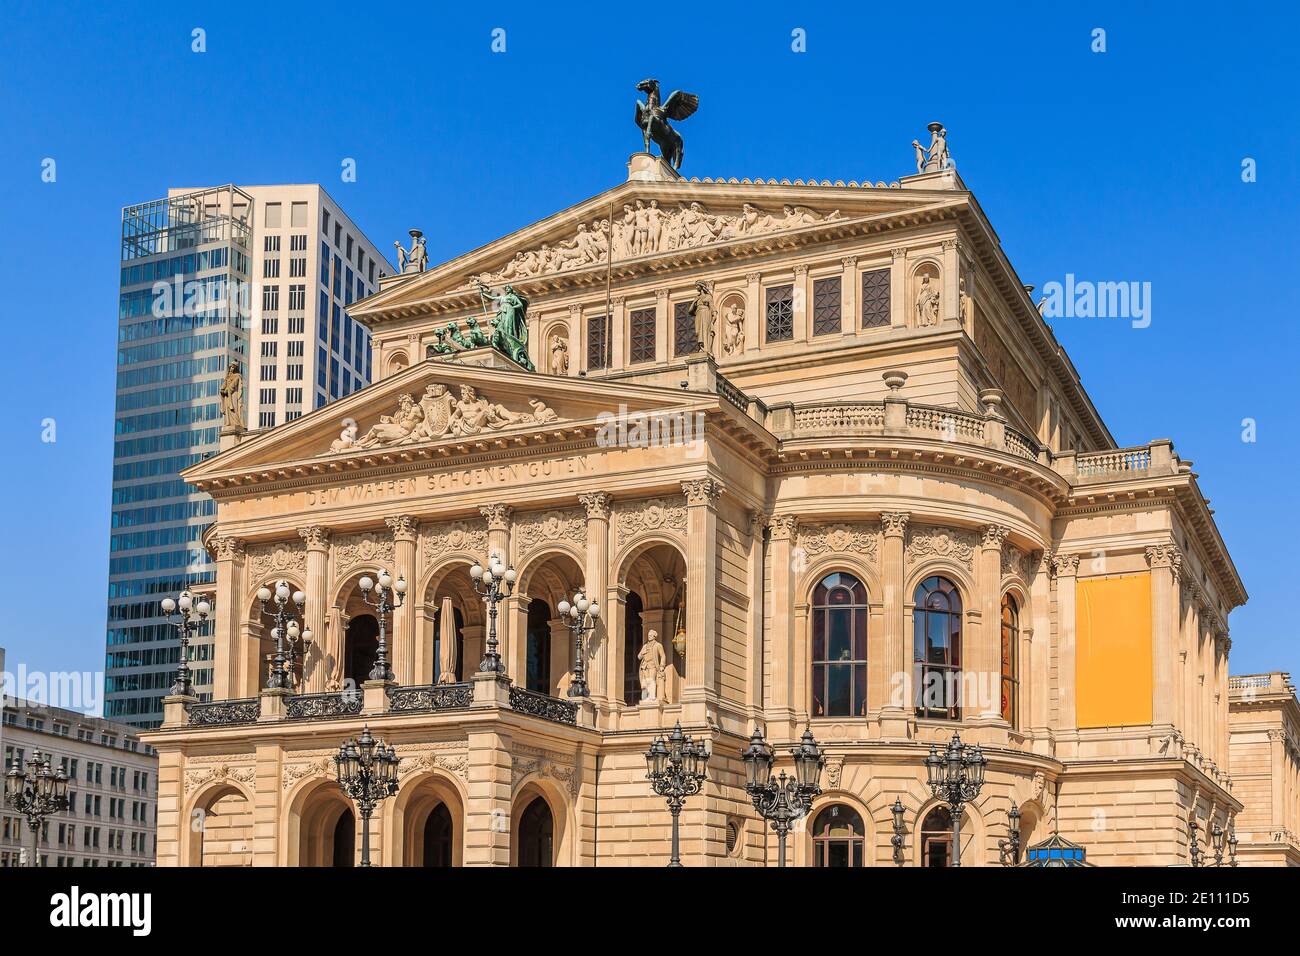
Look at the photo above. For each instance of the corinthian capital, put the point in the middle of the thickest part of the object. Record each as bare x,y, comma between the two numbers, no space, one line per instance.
701,491
1067,564
225,547
783,525
316,537
597,504
894,523
1165,556
403,527
498,516
993,535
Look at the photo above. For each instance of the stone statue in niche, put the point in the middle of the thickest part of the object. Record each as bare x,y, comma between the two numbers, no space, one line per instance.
965,304
559,354
701,311
927,303
232,397
733,333
651,664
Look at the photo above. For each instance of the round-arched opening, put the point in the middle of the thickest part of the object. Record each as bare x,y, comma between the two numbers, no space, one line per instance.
937,624
655,600
839,646
537,834
839,837
360,649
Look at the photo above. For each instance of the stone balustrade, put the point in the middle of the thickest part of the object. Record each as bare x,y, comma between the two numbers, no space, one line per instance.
1246,686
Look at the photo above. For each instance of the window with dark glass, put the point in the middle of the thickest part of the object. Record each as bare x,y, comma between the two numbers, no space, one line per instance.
839,647
937,649
780,313
633,639
539,646
839,838
936,838
641,336
684,340
875,299
826,306
1010,648
597,343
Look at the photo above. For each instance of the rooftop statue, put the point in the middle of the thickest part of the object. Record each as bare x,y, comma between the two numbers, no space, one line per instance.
509,325
652,119
937,157
416,258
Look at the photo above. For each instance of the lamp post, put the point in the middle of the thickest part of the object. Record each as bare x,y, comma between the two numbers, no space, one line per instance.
287,630
675,768
896,811
1232,842
1222,839
1194,840
782,800
956,776
580,618
36,794
494,584
187,615
1009,849
367,772
389,595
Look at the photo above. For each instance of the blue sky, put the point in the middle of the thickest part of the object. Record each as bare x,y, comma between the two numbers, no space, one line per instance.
1123,165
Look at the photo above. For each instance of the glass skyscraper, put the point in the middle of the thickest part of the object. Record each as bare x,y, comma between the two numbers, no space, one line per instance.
262,276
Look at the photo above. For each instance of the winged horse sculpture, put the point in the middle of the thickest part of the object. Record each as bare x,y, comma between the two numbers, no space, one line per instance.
652,118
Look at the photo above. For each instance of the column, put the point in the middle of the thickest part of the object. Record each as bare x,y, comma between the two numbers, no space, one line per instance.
1191,636
617,324
951,270
701,581
598,505
754,618
1066,567
850,313
897,288
897,663
1040,599
317,540
1165,562
406,632
228,612
498,524
1277,779
802,303
987,660
783,529
515,608
754,311
663,328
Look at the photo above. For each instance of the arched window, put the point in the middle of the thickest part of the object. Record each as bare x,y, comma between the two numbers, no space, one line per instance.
536,832
1010,659
936,838
937,649
362,642
633,638
838,837
839,647
539,646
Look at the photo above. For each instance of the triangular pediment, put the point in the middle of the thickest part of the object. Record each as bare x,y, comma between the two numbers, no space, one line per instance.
436,410
646,226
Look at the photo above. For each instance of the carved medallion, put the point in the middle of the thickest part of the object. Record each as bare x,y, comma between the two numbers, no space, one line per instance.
369,548
440,539
943,543
653,514
533,530
839,538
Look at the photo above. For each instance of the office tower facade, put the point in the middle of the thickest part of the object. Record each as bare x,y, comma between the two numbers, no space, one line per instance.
261,277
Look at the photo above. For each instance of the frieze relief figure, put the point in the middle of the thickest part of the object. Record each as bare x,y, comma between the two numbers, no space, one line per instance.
438,415
647,229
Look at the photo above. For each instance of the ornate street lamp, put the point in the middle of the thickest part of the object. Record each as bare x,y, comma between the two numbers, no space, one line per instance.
367,772
286,631
956,776
782,800
1009,849
494,584
896,811
1222,839
580,618
1232,842
1194,840
389,595
36,794
188,616
675,768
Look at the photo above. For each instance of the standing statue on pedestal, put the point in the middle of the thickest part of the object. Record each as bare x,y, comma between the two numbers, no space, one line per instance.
937,157
416,258
651,663
232,398
510,324
701,311
652,119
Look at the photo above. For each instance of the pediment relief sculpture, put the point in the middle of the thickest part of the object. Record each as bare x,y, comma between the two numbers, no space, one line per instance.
646,228
439,414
